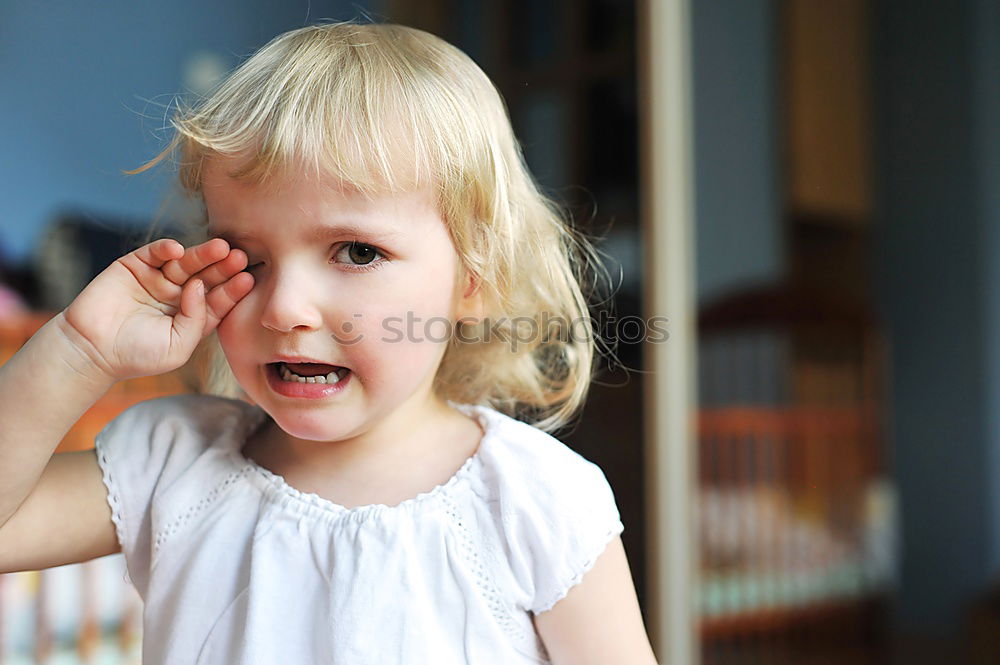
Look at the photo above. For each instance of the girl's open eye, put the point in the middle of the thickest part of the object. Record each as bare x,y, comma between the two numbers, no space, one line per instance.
359,256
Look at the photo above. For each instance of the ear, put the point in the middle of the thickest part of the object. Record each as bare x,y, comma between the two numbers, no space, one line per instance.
470,307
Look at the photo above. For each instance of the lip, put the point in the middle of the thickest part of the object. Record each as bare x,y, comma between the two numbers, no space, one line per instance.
300,359
296,390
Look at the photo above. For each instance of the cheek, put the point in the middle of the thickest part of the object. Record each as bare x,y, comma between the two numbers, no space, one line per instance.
427,293
232,330
411,329
400,342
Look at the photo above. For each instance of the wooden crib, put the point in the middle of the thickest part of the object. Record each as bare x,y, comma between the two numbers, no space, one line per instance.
796,514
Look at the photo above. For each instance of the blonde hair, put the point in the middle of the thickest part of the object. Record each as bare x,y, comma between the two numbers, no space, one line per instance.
382,108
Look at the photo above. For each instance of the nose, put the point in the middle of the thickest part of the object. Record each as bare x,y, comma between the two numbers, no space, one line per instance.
289,305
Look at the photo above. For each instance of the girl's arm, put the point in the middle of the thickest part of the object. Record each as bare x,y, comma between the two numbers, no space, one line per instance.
142,316
598,622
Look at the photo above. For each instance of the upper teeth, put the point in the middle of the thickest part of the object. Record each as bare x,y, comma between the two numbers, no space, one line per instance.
332,377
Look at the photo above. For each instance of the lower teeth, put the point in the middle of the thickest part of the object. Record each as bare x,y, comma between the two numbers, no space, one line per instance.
332,377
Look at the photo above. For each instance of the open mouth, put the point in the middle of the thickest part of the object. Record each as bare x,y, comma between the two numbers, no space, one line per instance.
310,372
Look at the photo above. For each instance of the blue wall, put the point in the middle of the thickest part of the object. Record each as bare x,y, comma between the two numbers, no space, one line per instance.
738,202
83,90
938,266
987,123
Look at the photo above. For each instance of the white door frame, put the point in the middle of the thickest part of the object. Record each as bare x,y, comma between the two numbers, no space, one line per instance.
667,203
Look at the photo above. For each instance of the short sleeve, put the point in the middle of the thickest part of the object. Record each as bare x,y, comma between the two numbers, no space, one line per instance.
142,453
565,519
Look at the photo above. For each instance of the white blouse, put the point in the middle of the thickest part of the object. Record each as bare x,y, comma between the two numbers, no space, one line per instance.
236,566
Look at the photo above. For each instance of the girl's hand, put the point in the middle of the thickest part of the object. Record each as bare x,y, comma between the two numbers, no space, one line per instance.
147,311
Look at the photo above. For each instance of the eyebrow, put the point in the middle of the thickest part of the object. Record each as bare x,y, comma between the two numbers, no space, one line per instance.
321,233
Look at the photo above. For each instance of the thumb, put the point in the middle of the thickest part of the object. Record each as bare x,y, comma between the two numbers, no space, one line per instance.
189,322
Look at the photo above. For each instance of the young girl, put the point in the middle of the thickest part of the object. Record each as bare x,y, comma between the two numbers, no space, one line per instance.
381,276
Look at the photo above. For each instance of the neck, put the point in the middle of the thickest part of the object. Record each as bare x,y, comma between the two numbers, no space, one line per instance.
414,431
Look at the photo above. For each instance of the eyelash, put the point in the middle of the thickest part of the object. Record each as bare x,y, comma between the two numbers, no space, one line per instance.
375,264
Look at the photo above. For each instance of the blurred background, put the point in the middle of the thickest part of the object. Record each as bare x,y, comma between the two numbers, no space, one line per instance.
846,155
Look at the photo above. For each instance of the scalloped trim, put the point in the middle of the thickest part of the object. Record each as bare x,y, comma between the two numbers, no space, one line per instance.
313,500
114,500
277,484
615,530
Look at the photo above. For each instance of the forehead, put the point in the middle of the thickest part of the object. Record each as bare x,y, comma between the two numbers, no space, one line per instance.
242,208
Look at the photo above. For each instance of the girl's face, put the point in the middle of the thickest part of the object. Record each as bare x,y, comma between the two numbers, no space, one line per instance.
370,286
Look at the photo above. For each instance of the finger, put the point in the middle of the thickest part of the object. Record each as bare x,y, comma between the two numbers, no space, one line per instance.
219,272
189,323
224,297
158,252
195,259
145,265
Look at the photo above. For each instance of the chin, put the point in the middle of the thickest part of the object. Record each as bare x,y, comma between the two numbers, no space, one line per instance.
309,427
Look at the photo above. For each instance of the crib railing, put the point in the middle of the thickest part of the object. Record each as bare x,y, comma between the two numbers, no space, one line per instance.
83,613
797,516
793,516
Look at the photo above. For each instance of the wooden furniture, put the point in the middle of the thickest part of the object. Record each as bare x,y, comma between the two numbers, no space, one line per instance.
796,520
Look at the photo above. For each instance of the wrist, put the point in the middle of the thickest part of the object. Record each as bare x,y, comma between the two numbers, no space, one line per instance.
71,349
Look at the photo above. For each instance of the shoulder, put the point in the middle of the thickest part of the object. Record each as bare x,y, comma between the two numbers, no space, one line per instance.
159,458
528,460
199,416
534,482
190,410
176,429
553,509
